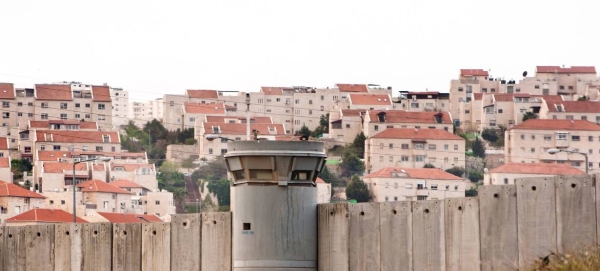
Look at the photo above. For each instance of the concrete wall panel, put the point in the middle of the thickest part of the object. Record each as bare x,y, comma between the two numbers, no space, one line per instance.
396,236
333,230
14,249
428,235
186,242
127,247
216,241
596,183
39,247
364,223
536,221
461,220
498,227
156,246
67,246
96,246
2,249
575,201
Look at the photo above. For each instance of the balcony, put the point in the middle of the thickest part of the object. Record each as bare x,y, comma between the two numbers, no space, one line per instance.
422,192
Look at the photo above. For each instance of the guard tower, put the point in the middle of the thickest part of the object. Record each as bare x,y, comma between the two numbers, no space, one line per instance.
274,204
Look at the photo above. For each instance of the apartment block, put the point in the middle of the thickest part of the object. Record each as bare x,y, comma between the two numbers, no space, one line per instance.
142,112
413,148
423,101
15,200
508,173
376,120
345,124
558,108
143,174
41,216
120,107
548,80
530,141
402,184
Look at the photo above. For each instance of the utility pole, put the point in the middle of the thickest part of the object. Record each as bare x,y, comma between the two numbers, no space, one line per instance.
248,116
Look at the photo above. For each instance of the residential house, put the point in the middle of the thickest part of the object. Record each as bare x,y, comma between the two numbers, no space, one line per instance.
345,124
423,101
99,217
15,200
39,216
378,120
508,173
101,196
143,174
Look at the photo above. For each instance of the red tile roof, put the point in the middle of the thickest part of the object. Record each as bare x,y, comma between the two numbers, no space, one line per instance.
572,69
13,190
240,128
353,112
7,91
509,97
45,124
537,168
409,133
473,72
53,92
205,109
54,155
76,136
131,167
574,106
3,143
225,118
45,215
59,167
101,94
202,94
122,183
402,116
477,96
415,173
370,99
100,186
4,162
352,87
129,218
552,124
274,90
319,180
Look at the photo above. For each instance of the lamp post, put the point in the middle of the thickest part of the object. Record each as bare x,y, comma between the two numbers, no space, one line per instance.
104,159
211,137
555,151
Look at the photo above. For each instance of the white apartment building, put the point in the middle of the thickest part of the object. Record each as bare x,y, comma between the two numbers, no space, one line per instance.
120,107
423,101
508,173
548,80
413,148
345,124
379,120
558,108
15,200
530,141
402,184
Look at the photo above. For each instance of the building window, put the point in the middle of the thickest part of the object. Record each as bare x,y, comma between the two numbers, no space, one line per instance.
27,149
63,116
391,146
505,180
43,147
532,150
19,104
63,105
456,147
583,117
432,146
404,159
419,158
522,137
532,137
77,116
419,146
99,148
87,116
380,158
575,138
391,159
20,114
44,116
561,136
404,146
30,115
547,137
56,147
376,128
455,160
5,115
44,105
210,151
101,106
484,90
5,104
445,147
87,105
29,104
500,111
77,105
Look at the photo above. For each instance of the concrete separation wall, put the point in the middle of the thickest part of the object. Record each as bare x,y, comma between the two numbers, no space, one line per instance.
506,227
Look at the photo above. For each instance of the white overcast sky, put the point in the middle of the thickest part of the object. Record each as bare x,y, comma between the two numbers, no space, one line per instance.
156,47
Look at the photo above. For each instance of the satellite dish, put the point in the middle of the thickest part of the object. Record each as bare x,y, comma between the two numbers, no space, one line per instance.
525,74
485,170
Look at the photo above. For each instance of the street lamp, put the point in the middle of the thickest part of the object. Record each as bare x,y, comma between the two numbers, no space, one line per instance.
555,151
103,159
211,137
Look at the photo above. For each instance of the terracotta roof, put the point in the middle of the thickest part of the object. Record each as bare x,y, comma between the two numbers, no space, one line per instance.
122,183
423,93
353,112
129,218
473,72
409,133
509,97
477,96
53,92
4,162
415,173
202,94
319,180
101,94
13,190
46,123
58,167
130,167
575,106
45,215
537,168
370,99
54,155
100,186
98,167
7,91
274,90
3,143
552,124
76,136
402,116
240,128
224,118
572,69
352,87
205,109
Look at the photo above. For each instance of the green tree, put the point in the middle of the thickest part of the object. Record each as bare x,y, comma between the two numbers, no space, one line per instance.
358,190
456,171
471,192
529,115
179,198
221,189
213,170
304,131
478,148
428,165
351,164
329,177
359,144
324,122
490,135
475,176
208,205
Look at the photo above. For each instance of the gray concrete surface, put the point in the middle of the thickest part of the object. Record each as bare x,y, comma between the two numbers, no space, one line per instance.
461,225
186,242
428,235
396,236
127,247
